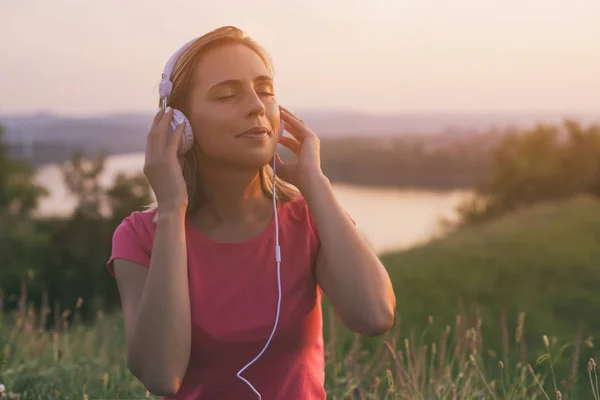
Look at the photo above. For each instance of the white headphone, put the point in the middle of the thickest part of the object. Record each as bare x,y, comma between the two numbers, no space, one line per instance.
185,145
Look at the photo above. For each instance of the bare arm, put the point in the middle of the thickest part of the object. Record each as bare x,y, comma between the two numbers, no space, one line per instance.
350,273
157,303
156,307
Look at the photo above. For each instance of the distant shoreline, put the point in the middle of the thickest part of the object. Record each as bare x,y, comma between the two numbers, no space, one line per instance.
372,180
388,151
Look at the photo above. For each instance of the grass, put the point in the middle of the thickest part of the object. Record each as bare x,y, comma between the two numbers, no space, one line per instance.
537,268
500,311
85,361
542,261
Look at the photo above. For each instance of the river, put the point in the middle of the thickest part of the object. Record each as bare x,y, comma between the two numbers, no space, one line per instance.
390,219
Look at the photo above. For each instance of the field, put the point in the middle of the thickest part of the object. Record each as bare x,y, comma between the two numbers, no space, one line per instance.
86,362
521,330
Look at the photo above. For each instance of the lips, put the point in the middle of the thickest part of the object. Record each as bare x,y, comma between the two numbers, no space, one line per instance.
258,132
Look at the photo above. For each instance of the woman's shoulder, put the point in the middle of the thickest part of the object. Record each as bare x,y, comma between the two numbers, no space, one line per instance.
295,209
295,213
132,238
141,218
141,224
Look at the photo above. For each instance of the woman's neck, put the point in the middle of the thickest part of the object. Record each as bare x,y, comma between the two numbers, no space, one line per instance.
232,195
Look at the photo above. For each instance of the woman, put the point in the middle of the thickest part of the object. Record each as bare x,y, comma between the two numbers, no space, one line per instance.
197,274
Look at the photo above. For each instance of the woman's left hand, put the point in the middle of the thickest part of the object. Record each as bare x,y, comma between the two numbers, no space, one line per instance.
306,145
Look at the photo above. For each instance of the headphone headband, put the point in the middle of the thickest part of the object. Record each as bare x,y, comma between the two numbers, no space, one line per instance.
165,86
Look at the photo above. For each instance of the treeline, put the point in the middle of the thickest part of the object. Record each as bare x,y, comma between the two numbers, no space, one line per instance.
545,163
434,162
55,261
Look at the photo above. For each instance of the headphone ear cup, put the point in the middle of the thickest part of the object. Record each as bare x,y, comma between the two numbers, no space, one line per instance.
187,140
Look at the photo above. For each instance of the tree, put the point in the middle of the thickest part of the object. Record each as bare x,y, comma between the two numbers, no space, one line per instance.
22,246
81,244
546,163
128,194
82,178
19,194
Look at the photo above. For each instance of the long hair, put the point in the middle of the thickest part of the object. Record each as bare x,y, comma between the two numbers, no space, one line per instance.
182,79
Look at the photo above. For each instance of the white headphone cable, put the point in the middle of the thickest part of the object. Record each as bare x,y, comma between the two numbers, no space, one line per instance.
278,261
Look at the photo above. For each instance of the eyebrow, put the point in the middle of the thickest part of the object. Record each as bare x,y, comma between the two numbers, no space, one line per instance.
235,82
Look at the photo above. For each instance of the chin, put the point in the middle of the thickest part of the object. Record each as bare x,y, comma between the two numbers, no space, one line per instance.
252,157
252,161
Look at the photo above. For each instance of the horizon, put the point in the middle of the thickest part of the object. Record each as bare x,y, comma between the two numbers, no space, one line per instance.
387,113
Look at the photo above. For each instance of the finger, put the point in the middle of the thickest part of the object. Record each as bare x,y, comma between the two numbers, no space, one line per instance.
155,121
157,117
294,126
163,124
290,143
291,114
174,139
278,162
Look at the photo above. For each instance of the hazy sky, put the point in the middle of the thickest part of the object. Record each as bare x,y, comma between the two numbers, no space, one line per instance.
86,57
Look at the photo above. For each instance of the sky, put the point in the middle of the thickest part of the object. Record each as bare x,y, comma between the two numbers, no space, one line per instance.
76,57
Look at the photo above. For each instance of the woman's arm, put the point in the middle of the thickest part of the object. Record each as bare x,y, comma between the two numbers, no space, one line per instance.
158,317
349,272
156,307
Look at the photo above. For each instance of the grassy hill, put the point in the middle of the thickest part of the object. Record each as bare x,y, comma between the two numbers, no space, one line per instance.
543,261
495,291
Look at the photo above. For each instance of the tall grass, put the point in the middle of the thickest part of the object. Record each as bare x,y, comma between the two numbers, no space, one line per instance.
77,360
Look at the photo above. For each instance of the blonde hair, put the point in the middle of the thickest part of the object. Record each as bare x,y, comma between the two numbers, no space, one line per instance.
182,79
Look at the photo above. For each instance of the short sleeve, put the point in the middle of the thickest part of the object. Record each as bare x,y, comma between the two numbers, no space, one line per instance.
313,226
128,244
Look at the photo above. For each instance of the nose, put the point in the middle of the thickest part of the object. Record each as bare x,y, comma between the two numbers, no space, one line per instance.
256,108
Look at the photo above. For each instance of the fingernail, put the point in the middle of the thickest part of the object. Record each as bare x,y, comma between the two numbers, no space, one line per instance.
168,109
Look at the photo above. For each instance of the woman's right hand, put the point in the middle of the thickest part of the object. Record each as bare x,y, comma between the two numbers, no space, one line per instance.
162,165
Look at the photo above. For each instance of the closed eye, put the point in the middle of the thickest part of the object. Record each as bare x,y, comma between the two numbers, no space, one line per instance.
223,98
227,97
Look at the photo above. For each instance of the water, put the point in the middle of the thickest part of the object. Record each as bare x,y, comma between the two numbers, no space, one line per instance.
388,218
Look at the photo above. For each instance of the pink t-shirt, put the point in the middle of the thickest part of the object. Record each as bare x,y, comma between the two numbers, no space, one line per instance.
233,296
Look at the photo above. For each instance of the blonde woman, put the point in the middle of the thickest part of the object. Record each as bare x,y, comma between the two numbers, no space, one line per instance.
221,282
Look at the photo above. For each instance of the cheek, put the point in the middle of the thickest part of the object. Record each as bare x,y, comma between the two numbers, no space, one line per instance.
210,130
272,112
271,106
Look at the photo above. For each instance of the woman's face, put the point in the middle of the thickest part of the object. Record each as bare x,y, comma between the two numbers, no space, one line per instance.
233,93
